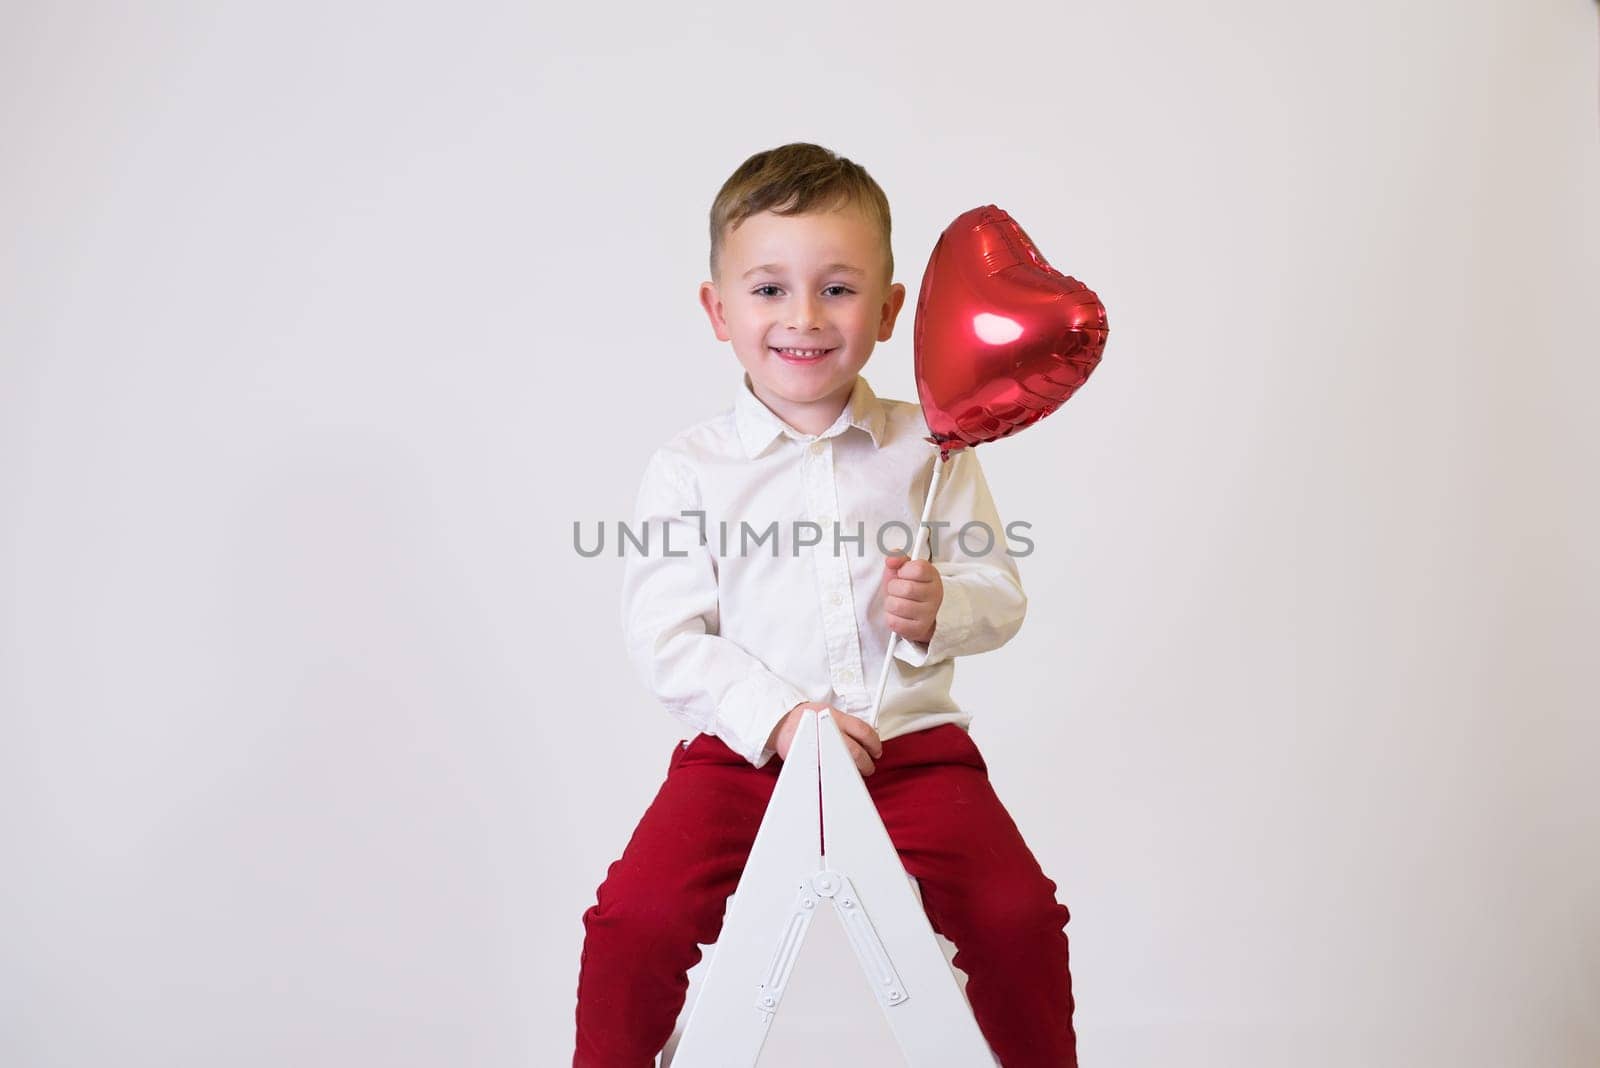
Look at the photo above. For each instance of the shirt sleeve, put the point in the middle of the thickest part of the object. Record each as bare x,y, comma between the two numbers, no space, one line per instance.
670,619
983,604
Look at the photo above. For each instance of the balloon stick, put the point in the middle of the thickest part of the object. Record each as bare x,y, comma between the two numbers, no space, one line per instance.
916,551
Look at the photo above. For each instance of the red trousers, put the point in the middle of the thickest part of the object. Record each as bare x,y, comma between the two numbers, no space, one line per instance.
981,888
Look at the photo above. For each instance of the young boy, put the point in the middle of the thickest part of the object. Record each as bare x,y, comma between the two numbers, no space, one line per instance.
775,572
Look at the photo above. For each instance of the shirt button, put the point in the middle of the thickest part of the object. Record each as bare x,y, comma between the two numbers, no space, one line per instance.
816,447
836,599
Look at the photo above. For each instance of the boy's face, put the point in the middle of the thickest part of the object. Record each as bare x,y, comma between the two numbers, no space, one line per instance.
814,282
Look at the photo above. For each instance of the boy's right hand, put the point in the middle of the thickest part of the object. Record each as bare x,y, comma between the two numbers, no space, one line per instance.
859,737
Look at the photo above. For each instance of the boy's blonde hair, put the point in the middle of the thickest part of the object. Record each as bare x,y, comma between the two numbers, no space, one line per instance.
791,180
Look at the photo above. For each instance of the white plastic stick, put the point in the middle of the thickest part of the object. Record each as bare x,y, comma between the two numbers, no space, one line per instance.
916,551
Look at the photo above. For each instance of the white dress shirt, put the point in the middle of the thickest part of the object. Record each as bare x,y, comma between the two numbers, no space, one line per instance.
733,618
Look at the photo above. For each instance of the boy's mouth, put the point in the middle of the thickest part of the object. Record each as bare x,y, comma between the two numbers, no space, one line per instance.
807,355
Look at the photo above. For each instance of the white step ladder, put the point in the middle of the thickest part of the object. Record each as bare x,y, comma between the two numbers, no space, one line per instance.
787,877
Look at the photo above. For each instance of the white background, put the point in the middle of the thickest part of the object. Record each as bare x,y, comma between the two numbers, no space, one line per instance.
320,325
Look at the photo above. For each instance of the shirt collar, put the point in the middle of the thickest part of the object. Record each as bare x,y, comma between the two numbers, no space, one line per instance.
759,426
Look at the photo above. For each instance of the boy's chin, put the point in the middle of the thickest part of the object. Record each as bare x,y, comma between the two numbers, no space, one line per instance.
811,392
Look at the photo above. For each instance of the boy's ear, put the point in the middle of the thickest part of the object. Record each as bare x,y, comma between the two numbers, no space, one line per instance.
891,310
712,303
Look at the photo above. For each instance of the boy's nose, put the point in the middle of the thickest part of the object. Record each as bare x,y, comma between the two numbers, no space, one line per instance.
804,315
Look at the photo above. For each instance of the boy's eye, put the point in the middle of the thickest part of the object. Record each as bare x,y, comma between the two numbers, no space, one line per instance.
761,291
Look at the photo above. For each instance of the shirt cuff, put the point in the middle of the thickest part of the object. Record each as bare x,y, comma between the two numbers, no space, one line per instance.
751,708
951,625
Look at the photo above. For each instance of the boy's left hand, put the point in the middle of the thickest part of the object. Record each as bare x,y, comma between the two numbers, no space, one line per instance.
913,592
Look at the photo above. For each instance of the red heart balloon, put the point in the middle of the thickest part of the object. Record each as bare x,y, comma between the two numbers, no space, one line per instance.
1002,339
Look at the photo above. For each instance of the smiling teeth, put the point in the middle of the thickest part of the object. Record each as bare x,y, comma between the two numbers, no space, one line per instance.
805,352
